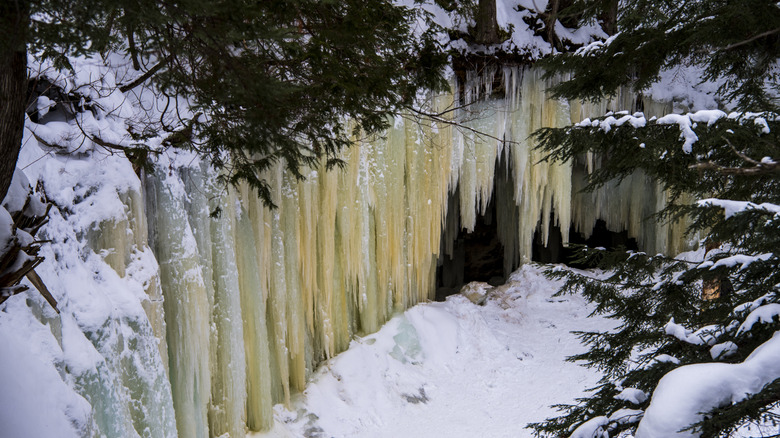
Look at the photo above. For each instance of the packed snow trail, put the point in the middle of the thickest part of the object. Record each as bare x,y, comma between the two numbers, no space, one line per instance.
453,369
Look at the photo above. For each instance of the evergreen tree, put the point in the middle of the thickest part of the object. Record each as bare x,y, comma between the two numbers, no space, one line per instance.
675,314
271,80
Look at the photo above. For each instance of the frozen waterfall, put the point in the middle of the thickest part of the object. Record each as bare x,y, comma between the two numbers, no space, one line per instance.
222,317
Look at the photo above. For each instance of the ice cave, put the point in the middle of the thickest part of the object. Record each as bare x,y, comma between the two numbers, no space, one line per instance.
330,218
236,312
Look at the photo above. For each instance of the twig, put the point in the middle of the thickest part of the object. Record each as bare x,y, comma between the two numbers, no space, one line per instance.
141,79
751,39
438,119
740,154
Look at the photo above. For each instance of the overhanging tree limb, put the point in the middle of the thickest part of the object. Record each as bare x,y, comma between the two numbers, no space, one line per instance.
144,77
750,40
759,169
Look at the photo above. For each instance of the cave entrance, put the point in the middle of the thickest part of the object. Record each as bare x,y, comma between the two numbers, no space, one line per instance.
473,256
478,255
600,236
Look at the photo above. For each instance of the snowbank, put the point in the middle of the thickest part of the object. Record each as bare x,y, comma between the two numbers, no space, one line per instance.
686,392
453,369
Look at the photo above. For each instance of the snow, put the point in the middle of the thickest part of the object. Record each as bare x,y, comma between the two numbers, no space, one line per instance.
593,428
35,400
453,368
682,85
510,15
740,259
665,358
595,47
685,393
765,314
636,120
632,395
704,336
723,350
626,416
18,195
686,130
750,306
733,207
6,229
686,123
761,122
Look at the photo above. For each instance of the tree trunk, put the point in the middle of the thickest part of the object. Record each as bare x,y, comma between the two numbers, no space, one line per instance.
487,24
609,17
552,18
14,16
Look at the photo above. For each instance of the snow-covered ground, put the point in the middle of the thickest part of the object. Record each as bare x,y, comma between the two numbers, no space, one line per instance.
453,369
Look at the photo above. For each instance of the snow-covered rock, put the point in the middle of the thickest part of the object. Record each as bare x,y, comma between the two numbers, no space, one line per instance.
476,291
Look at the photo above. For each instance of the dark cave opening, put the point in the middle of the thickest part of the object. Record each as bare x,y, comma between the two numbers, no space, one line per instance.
600,236
475,256
480,255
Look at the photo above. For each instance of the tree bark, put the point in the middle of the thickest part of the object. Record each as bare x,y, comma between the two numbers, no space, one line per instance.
552,18
14,17
609,17
487,24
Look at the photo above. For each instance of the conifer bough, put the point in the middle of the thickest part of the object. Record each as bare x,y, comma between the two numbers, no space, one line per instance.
288,80
689,329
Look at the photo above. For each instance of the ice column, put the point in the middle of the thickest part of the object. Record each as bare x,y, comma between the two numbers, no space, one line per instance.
131,384
187,304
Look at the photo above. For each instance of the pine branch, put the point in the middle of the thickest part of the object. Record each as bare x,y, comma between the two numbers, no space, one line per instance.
759,167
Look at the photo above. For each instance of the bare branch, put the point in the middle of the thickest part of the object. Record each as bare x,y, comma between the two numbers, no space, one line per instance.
758,169
438,119
141,79
36,281
751,39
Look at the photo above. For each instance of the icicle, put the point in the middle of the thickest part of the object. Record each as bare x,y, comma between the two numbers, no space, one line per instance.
278,289
228,369
249,236
187,307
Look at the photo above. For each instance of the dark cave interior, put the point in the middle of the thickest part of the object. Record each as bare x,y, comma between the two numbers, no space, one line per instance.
479,255
600,236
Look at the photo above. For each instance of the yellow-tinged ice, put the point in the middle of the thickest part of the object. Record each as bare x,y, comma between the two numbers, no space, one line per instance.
256,298
124,242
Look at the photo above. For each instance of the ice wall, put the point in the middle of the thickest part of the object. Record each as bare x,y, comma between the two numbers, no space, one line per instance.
536,193
95,368
175,322
255,298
